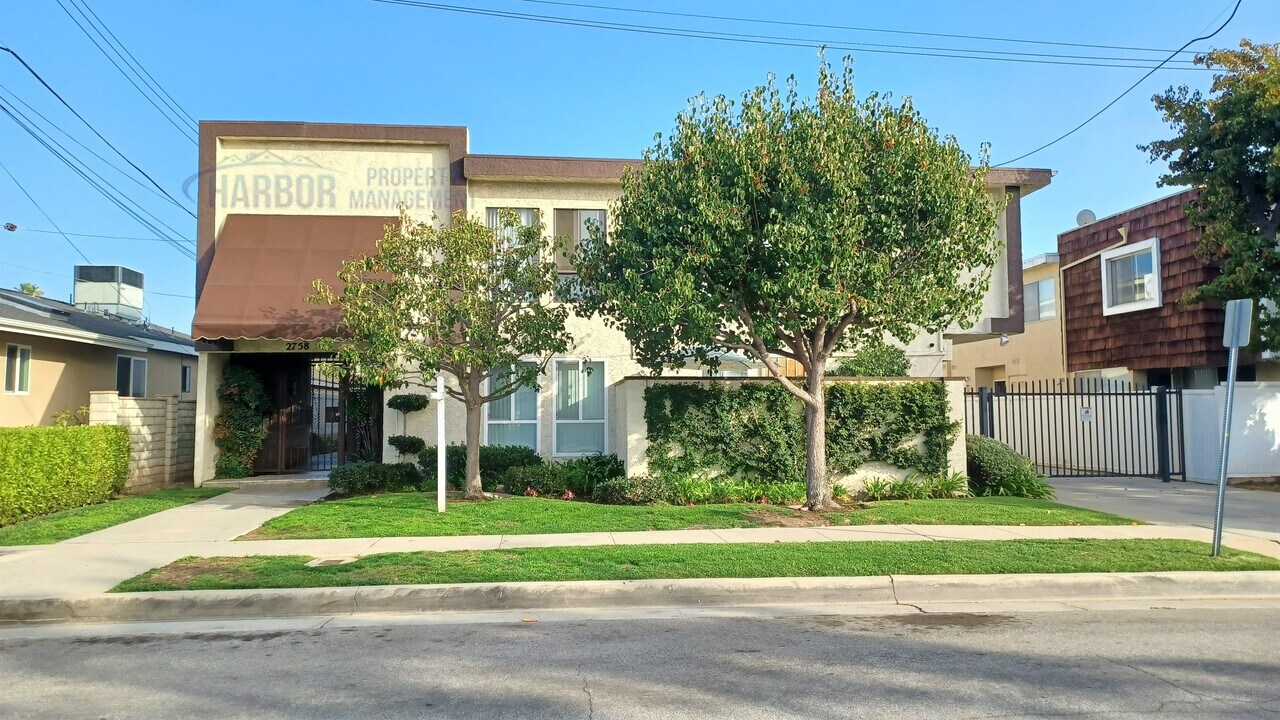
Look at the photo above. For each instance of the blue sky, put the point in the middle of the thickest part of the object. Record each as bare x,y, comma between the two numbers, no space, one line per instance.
539,89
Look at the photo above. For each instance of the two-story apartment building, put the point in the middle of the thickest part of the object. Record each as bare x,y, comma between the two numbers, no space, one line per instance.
281,204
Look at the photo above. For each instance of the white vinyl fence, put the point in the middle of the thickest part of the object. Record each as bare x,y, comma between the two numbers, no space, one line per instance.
1255,431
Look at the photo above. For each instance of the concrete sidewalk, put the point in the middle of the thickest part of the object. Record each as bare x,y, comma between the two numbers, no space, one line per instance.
92,564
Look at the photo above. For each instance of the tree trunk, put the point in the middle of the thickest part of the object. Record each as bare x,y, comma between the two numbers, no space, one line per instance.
817,490
475,491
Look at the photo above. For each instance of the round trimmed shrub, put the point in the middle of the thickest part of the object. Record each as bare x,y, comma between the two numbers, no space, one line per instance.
997,469
362,478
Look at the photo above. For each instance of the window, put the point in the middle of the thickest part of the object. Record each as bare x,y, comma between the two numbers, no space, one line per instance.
575,226
1131,278
186,378
1038,302
512,420
528,217
131,376
580,407
17,369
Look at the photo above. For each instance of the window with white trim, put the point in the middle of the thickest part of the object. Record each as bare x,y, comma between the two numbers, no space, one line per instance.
512,420
131,376
1038,302
1131,277
186,378
17,369
581,407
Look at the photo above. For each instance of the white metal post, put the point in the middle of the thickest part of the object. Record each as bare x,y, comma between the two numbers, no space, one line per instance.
438,396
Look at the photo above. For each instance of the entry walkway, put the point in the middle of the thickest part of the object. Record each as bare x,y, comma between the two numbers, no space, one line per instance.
94,563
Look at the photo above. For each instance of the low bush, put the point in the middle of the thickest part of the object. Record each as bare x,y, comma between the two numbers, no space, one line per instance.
363,478
47,469
643,490
548,480
495,461
581,475
407,444
323,444
916,487
701,491
997,469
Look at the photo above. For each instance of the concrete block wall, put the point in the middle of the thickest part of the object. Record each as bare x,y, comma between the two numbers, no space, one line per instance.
161,437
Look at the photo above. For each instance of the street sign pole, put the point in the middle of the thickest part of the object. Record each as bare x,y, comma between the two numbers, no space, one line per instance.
438,396
1235,335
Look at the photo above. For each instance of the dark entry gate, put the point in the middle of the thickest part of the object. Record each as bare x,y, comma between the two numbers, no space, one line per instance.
1084,427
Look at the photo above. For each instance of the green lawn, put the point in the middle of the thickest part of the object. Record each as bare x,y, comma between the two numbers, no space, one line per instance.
976,511
414,515
82,520
747,560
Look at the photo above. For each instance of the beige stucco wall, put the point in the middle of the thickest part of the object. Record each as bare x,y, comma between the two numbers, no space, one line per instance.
1036,354
63,373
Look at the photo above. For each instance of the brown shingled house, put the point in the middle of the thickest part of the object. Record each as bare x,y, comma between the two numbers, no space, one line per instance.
1122,279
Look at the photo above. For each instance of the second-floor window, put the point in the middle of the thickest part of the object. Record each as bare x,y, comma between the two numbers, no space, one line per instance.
575,226
1131,277
1038,301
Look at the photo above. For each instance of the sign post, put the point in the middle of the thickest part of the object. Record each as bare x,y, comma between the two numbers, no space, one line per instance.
1234,336
438,396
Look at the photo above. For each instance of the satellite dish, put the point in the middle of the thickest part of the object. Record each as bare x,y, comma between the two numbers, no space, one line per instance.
1084,217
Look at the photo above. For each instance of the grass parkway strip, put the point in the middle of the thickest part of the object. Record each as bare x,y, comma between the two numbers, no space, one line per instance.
414,515
745,560
75,522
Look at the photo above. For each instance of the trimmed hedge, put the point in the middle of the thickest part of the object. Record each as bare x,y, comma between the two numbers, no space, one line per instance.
579,476
495,461
359,478
997,469
756,432
47,469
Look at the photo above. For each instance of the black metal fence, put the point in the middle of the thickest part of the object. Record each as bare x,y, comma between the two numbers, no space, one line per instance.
1084,427
324,399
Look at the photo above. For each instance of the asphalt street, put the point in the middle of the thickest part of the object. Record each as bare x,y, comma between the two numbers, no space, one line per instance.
1153,662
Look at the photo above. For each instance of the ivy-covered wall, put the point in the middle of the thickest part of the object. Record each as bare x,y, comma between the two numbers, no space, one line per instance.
756,430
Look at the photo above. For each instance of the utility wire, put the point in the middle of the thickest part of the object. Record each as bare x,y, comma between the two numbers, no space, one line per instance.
100,237
72,277
138,66
45,214
185,130
84,174
1130,89
14,98
854,28
754,39
67,105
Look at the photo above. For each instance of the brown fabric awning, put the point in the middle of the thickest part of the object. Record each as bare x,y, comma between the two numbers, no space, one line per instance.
263,267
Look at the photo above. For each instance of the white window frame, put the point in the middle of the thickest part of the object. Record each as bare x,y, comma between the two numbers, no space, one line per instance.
186,377
537,413
17,376
1152,246
132,359
555,393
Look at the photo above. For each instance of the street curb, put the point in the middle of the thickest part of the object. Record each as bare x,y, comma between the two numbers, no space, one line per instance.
885,590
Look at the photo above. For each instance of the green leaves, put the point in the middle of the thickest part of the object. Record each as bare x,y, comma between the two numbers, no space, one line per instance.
1226,145
240,428
47,469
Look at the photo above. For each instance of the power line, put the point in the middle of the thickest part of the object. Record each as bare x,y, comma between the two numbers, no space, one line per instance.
89,125
88,149
84,174
45,214
1128,90
186,131
72,277
754,39
138,65
854,28
101,237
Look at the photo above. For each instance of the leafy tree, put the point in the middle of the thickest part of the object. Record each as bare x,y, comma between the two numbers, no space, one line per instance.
29,288
794,229
876,359
1226,145
462,299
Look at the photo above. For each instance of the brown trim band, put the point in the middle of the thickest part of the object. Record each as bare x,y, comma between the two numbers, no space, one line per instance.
453,137
511,167
1015,323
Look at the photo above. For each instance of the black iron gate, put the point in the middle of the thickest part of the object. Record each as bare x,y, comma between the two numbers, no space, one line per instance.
1084,427
325,399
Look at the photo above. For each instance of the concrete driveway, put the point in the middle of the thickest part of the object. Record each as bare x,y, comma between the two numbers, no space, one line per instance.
1175,503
